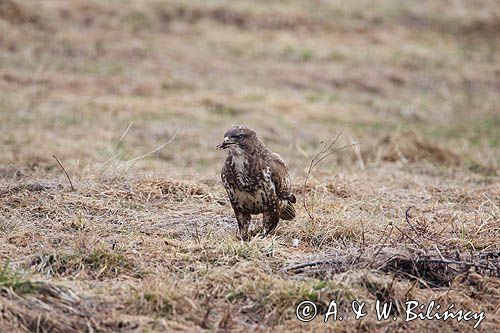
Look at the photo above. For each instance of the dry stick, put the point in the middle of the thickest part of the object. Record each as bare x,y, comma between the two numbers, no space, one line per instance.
491,201
413,241
110,156
407,219
416,278
362,235
299,268
492,254
407,293
310,264
358,154
63,169
312,165
325,152
21,171
456,262
151,152
438,251
369,264
122,137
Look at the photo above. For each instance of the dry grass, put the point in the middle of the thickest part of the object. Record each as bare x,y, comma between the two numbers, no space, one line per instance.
151,245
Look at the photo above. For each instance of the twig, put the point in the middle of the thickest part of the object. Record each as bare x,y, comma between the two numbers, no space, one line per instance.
311,166
122,137
412,286
438,251
64,170
358,153
407,219
151,152
391,263
489,254
455,262
407,236
418,279
362,235
325,152
374,256
400,154
21,171
310,264
430,270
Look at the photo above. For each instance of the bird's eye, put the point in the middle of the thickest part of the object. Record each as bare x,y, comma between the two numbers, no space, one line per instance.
238,136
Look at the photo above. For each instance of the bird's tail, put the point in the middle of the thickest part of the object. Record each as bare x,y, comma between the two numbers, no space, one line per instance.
287,209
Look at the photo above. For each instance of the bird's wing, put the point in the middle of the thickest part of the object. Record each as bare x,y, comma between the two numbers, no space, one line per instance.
225,174
280,176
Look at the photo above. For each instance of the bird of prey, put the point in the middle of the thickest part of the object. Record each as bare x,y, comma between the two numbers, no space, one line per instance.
256,180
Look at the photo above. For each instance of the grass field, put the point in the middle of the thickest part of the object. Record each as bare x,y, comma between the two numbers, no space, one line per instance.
149,243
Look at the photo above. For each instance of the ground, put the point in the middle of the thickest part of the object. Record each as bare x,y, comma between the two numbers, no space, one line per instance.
148,242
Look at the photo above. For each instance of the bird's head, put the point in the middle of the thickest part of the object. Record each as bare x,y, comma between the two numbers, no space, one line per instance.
240,138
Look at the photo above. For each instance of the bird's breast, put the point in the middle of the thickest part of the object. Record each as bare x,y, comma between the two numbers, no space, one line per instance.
240,169
255,191
254,202
249,183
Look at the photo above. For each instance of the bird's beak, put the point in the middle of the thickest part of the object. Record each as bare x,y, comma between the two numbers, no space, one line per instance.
226,143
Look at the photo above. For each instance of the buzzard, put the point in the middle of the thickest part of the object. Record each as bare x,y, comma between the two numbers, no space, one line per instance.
256,180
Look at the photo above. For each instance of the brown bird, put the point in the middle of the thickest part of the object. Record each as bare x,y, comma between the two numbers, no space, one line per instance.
256,180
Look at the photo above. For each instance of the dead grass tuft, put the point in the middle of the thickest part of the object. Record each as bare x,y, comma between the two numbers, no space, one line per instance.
15,281
272,300
46,307
171,190
408,146
164,299
96,263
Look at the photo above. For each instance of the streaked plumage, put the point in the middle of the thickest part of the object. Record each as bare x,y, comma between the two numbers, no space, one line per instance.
256,180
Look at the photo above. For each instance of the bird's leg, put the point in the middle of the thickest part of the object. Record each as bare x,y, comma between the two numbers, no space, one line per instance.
257,231
243,223
270,219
